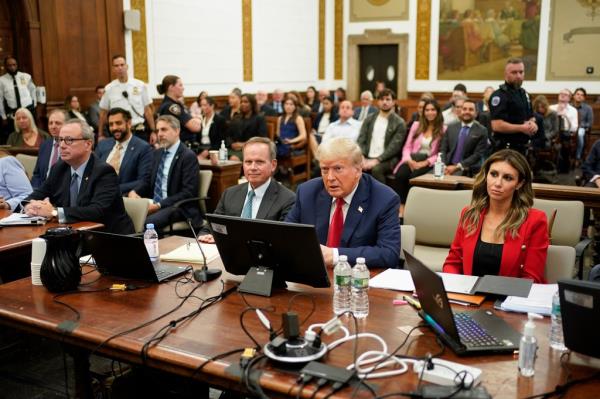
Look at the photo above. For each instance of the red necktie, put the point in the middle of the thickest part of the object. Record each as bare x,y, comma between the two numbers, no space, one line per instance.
336,226
54,154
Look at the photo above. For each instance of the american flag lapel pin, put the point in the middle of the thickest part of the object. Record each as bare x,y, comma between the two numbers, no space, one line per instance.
360,209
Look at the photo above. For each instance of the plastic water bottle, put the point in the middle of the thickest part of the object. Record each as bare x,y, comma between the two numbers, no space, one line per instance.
360,289
557,340
438,167
151,242
342,292
528,347
223,152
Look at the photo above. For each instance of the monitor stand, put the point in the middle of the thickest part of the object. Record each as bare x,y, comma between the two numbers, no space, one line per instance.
260,281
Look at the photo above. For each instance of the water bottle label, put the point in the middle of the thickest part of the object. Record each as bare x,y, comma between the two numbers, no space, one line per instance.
342,281
556,308
360,282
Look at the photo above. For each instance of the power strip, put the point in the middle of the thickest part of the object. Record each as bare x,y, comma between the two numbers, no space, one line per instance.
444,372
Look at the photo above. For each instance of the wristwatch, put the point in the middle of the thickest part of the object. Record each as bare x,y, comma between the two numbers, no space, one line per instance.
55,213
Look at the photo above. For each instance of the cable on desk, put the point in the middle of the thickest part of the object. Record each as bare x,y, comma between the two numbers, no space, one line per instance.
71,308
562,389
255,389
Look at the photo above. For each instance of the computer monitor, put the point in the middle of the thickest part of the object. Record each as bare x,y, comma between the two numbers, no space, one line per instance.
269,253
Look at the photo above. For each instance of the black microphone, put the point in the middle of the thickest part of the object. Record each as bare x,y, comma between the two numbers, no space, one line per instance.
205,274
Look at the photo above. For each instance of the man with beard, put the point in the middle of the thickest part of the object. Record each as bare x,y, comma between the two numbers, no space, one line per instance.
381,137
130,156
49,152
512,116
173,178
17,90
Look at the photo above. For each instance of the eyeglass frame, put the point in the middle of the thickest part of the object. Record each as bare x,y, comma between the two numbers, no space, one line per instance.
68,140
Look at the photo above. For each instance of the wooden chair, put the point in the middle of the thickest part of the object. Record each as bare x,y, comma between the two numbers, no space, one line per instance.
298,163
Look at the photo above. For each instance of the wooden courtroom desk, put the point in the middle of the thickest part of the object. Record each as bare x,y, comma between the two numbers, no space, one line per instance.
225,175
217,330
15,245
20,150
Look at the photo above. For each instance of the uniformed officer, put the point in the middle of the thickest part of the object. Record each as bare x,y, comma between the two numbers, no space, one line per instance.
17,90
172,88
130,94
513,121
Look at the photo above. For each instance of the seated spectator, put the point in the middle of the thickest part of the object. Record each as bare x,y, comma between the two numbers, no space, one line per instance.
586,119
195,108
173,178
291,130
417,114
420,149
129,155
323,93
26,133
483,105
213,128
567,125
591,167
232,110
277,101
325,117
452,114
93,112
49,152
381,137
344,126
459,90
379,87
303,109
366,106
465,143
73,108
354,214
311,99
340,95
500,233
264,109
14,184
241,129
172,89
549,122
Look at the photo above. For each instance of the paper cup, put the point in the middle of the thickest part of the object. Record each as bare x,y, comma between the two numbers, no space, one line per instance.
38,250
35,274
214,156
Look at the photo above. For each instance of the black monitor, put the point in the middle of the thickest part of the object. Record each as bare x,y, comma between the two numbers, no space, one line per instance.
269,253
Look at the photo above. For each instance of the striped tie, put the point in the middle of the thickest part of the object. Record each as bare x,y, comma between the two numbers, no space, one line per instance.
159,178
247,211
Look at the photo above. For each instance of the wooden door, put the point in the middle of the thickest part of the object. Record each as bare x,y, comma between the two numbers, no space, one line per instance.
378,63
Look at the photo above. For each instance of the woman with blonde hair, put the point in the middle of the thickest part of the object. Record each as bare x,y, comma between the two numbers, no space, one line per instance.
26,133
500,233
550,121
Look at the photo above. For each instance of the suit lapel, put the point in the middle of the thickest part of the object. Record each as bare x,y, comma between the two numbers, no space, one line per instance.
322,212
268,200
86,177
172,167
355,211
128,154
240,199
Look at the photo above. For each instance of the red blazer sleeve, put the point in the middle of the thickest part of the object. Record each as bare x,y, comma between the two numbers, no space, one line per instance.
454,260
536,247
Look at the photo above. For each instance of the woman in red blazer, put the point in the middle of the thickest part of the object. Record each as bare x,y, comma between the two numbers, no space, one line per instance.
499,233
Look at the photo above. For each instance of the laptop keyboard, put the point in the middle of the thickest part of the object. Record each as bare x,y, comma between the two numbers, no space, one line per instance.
471,334
165,271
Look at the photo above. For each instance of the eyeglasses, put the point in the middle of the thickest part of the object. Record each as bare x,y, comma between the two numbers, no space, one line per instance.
68,140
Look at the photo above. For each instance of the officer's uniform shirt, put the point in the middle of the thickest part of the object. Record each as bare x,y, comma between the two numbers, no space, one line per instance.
137,98
511,105
177,110
26,89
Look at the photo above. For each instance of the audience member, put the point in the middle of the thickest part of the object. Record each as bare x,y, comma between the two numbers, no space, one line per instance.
261,197
452,114
586,119
196,108
591,167
459,91
249,124
264,109
366,108
303,109
17,90
93,112
513,122
354,214
213,128
130,156
465,143
277,101
291,129
420,150
26,133
483,105
172,88
14,184
81,187
132,95
232,110
500,233
173,178
49,152
549,122
417,114
340,95
73,108
311,99
344,126
379,87
325,117
323,93
567,127
381,137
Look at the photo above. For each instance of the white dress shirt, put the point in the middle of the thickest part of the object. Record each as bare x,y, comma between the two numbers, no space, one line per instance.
378,137
26,89
137,98
350,129
259,193
124,145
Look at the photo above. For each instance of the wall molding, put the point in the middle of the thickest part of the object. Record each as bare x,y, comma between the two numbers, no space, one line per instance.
423,39
139,44
247,38
321,39
338,42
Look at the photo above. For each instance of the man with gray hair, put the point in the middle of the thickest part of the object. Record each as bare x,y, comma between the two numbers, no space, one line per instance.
173,178
277,103
261,101
80,187
49,152
353,214
366,106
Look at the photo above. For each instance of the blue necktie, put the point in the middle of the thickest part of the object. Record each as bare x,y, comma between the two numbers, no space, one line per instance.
247,211
159,178
73,190
462,137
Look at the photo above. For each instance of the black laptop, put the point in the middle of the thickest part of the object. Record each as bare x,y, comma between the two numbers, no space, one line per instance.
467,333
126,257
579,304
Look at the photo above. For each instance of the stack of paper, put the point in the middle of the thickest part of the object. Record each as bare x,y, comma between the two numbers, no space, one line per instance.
190,253
20,219
393,279
538,301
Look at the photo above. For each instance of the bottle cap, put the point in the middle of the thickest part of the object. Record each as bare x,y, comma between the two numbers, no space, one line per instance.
530,325
343,258
360,260
150,226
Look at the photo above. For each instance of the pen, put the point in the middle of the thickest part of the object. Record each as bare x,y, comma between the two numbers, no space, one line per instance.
399,302
415,304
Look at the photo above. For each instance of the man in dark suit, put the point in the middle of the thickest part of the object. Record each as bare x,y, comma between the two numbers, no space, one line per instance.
129,155
261,197
354,214
366,106
465,143
277,103
49,152
261,101
174,177
80,187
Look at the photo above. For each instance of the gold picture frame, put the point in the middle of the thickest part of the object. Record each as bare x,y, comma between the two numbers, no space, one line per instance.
378,10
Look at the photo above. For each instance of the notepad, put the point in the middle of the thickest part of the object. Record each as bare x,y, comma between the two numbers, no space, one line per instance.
393,279
538,301
21,219
190,253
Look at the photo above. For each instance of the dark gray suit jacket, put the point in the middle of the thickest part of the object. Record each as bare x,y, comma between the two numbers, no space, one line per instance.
474,148
394,137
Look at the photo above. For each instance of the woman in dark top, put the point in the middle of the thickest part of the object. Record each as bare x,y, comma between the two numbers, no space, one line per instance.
290,128
500,233
249,124
311,98
172,88
213,128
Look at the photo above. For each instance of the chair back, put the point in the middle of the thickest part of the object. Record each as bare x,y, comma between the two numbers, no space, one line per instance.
559,263
205,180
407,239
566,229
28,162
137,209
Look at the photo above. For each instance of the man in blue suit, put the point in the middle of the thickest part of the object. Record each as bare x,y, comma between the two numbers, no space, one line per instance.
49,152
354,214
129,155
366,106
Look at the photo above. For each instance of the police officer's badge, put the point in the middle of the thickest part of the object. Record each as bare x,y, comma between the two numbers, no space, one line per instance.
136,91
175,109
495,101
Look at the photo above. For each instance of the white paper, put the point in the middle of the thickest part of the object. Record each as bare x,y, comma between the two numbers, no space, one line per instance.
393,279
190,253
538,301
19,219
458,283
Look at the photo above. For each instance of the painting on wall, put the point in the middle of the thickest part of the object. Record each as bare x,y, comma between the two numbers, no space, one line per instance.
378,10
476,37
573,41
